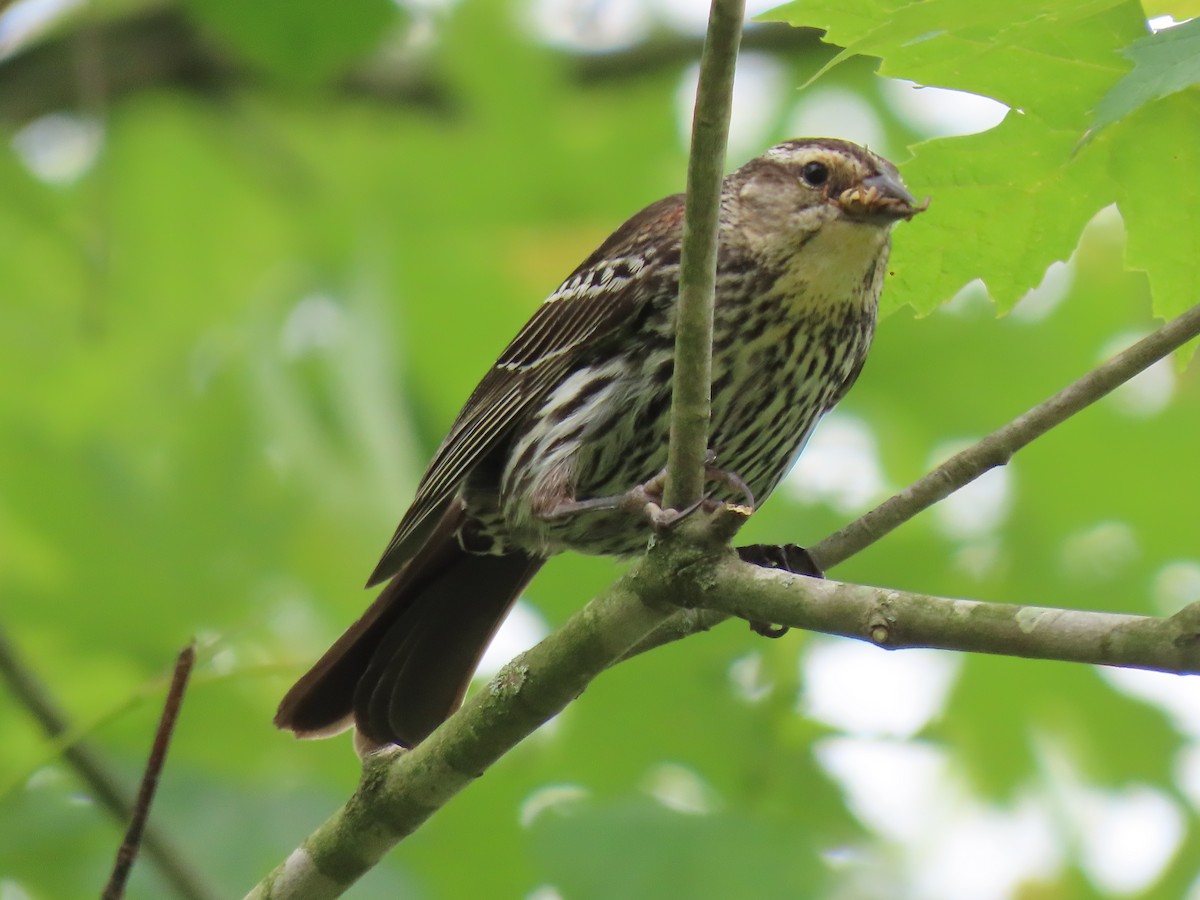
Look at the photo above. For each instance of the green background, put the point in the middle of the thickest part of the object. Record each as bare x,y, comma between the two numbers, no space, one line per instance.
228,346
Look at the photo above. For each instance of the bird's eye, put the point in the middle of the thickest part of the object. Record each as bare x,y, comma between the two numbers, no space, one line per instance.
815,173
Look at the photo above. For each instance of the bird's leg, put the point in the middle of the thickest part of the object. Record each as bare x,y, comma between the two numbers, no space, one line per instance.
643,499
646,499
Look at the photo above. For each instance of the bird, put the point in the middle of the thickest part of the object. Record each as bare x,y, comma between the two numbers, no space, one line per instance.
559,445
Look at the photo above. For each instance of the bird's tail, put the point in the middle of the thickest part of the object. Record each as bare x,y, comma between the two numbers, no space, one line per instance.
403,667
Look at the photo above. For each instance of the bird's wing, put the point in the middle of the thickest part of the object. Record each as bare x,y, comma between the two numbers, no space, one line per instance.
606,293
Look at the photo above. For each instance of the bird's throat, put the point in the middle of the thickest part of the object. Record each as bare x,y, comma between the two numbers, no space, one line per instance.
842,264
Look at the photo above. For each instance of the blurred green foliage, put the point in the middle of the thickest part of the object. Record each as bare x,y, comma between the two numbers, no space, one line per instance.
229,342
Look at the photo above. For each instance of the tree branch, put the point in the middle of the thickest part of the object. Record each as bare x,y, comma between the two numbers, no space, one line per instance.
161,47
998,447
692,380
400,789
104,784
964,467
669,50
136,833
897,619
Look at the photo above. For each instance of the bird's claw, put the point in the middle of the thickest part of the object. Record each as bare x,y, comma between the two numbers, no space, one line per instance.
767,630
731,480
646,499
788,557
666,518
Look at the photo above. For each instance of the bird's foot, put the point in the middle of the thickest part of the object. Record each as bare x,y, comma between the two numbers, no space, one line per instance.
788,557
731,481
646,499
643,499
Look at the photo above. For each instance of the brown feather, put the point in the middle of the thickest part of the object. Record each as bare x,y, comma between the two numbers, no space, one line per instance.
566,324
418,643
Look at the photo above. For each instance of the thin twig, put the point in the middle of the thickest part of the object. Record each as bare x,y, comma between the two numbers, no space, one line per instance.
102,782
158,756
692,381
998,447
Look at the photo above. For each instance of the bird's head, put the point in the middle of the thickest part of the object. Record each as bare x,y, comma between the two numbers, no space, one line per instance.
800,186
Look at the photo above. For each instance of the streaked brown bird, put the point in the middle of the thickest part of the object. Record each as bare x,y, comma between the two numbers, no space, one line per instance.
573,417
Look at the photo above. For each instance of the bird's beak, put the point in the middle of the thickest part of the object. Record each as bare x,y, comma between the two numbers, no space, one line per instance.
880,197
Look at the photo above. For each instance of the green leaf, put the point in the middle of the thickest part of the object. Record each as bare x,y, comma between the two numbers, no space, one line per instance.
1163,64
302,41
1050,59
1006,203
1154,159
